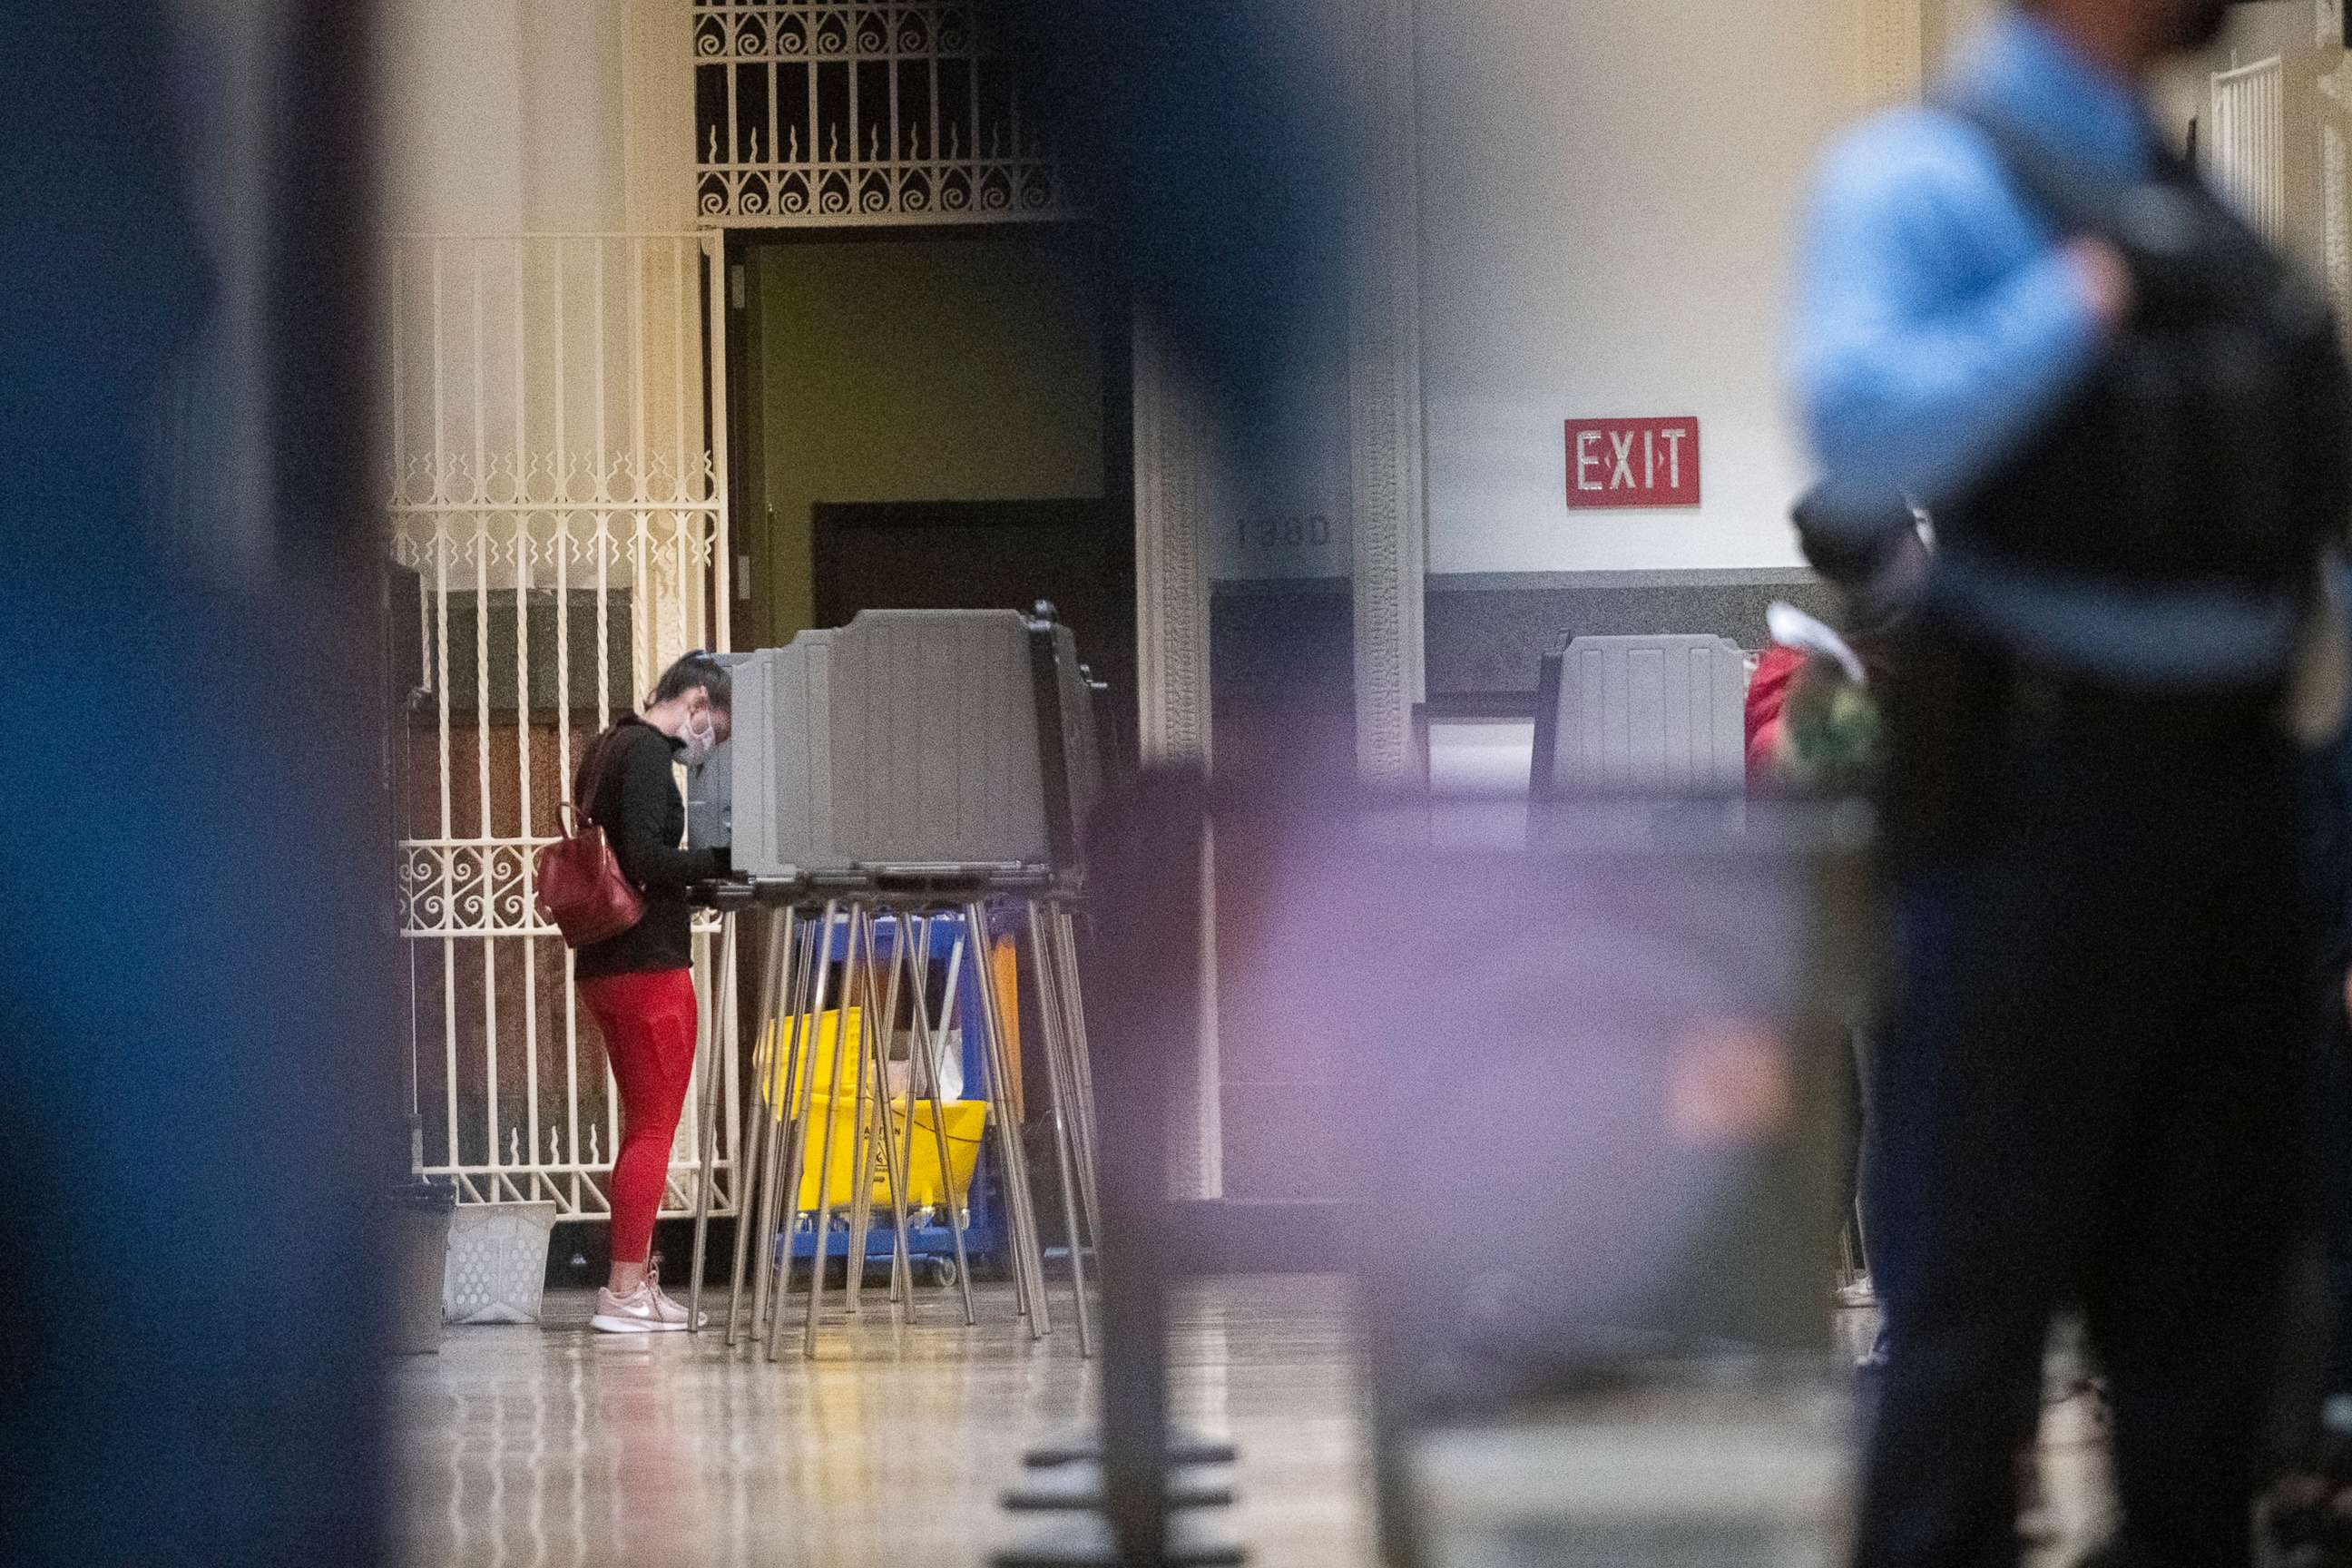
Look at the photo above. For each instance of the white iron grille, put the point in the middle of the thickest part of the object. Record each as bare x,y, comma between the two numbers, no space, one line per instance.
2248,162
558,492
820,114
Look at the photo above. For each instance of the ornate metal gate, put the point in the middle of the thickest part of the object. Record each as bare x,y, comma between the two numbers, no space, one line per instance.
558,505
831,114
2248,153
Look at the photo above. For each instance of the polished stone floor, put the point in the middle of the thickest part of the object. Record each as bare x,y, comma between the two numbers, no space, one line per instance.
553,1447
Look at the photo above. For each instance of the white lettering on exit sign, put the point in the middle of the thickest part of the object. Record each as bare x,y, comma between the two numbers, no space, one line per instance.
1614,463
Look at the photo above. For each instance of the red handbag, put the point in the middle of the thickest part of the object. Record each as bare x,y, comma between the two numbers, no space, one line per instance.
580,886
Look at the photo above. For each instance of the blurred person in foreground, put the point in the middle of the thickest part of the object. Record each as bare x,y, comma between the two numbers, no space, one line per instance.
200,1002
1821,731
2129,421
2311,1511
1812,727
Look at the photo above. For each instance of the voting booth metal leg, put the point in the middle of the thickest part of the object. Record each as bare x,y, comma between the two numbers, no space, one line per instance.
798,1089
1016,1125
859,995
753,1257
751,1183
897,1153
775,1115
877,1001
713,1070
807,1005
1065,953
1000,1110
928,1044
1027,1255
824,1222
1057,1073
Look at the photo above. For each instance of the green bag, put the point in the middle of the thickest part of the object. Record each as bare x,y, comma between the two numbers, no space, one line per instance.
1832,736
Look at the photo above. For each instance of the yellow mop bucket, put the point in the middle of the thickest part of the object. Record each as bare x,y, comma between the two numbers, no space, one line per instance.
835,1061
835,1116
838,1037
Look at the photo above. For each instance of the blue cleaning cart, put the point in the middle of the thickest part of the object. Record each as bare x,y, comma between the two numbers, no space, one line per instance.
932,1246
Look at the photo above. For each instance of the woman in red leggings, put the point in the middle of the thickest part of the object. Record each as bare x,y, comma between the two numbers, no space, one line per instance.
639,985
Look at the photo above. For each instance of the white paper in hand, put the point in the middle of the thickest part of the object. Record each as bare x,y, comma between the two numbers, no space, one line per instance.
1792,627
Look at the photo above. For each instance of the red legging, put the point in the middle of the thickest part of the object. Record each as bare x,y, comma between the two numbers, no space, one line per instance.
648,1024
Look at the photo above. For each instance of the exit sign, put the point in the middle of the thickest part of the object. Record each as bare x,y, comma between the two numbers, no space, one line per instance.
1631,463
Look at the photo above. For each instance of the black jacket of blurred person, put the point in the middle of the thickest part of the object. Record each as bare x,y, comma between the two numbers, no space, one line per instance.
199,1018
2096,1083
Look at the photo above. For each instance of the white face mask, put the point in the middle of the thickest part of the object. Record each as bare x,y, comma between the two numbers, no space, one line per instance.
701,738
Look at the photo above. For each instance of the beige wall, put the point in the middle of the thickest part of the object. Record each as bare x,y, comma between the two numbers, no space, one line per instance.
503,118
1945,24
506,115
1611,191
920,370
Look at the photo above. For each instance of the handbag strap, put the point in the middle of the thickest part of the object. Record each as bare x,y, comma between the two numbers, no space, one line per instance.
589,777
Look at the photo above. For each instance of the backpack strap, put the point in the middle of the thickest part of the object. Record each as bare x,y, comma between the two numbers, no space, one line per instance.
2072,203
590,774
2172,225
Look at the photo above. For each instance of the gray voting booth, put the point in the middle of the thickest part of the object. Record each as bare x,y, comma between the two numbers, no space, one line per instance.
709,783
1659,715
907,739
912,767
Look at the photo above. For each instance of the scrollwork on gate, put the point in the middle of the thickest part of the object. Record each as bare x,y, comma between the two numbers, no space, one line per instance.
823,113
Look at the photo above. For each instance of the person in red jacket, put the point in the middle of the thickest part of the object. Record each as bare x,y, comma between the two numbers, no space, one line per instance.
1767,697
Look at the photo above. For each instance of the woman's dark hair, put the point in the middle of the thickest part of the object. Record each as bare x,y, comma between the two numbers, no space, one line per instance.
697,671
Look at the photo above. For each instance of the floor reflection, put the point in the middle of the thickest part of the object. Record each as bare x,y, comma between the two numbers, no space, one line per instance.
555,1447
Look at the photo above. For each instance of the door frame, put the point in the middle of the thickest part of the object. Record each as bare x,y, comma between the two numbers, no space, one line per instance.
747,456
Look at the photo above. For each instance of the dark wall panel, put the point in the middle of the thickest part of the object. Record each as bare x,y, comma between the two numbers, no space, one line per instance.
1487,632
628,683
1282,663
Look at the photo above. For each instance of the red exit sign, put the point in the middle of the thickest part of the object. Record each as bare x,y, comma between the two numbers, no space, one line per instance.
1631,463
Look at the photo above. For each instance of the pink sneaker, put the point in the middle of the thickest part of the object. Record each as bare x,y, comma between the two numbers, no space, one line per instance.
638,1312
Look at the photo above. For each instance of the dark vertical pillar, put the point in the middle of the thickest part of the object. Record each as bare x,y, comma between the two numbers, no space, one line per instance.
1143,992
198,1008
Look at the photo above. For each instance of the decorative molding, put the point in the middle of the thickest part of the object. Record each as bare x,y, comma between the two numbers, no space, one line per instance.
1172,478
1176,465
827,114
2338,219
2336,167
1894,50
1389,531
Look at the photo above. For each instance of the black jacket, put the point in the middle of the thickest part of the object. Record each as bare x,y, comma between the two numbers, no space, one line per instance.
2327,855
634,798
